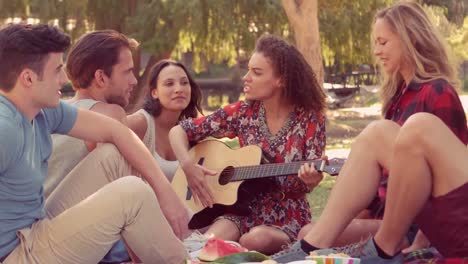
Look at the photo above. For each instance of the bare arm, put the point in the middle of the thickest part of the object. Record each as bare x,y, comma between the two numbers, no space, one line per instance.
137,123
194,173
111,110
138,156
131,147
180,145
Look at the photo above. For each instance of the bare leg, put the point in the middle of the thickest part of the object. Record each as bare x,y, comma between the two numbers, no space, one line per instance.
357,183
357,230
224,229
424,164
265,239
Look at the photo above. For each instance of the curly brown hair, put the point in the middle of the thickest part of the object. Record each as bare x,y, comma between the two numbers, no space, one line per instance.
301,87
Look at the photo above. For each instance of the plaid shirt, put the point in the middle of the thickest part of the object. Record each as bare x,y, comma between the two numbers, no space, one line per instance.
430,256
436,97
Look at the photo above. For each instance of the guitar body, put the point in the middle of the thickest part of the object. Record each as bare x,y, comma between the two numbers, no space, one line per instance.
216,155
233,167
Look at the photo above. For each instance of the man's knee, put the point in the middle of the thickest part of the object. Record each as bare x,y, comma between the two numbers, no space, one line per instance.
108,159
107,151
132,187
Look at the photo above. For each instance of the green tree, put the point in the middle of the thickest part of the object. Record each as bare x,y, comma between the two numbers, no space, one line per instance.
455,10
14,9
156,25
204,29
224,31
346,31
458,40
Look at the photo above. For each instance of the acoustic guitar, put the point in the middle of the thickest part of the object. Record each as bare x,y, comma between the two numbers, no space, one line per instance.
234,167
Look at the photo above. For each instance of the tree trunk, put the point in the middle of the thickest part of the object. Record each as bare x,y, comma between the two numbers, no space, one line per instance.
139,92
303,17
136,56
457,10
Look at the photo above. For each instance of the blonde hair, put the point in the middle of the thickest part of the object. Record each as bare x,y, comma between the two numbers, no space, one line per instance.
424,50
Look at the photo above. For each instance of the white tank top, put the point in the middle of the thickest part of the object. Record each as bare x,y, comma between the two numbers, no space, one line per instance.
169,167
67,152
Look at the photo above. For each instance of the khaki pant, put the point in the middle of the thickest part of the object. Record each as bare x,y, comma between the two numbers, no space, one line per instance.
92,208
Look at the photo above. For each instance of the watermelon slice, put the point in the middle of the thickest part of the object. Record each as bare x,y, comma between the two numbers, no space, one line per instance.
189,261
217,248
242,257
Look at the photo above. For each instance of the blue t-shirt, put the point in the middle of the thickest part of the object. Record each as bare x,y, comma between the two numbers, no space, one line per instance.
25,147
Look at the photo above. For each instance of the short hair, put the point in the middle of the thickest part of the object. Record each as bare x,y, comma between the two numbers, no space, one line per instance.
26,46
154,107
301,87
98,50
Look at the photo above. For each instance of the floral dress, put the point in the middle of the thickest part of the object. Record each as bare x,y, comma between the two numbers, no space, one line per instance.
302,137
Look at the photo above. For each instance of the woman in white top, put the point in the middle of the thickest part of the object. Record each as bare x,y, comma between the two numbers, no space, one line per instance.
173,96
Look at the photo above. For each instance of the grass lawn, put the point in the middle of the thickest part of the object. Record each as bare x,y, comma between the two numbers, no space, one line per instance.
318,197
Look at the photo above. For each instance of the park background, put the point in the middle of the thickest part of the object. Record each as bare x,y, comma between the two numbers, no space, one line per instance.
215,38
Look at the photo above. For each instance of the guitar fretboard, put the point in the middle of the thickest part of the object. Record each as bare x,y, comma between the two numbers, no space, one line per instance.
269,170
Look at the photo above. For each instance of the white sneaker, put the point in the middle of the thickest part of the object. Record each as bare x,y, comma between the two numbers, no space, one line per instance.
195,241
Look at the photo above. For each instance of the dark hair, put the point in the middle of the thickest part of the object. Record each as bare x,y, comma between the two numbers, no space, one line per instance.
153,106
26,46
300,84
93,51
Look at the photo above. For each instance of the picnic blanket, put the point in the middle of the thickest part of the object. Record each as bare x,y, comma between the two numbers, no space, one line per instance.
424,256
431,256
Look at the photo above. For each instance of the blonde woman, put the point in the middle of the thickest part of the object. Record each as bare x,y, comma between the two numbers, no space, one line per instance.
418,77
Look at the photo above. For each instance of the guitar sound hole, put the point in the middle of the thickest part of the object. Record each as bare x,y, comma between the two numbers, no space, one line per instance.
226,175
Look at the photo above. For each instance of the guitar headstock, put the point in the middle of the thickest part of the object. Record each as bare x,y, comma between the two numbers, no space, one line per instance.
332,166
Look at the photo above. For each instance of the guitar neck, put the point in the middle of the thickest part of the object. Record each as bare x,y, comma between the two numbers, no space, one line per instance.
269,170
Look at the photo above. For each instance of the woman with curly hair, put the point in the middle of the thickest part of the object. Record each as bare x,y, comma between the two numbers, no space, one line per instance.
284,115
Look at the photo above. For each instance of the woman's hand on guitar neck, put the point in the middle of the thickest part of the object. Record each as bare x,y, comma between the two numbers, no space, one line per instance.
309,175
196,179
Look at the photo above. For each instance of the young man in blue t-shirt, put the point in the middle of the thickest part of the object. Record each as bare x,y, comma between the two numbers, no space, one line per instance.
31,76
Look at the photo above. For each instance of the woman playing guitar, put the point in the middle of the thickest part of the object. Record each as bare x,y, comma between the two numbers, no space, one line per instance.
284,115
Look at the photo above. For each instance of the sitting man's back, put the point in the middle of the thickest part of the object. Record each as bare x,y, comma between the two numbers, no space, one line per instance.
100,67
